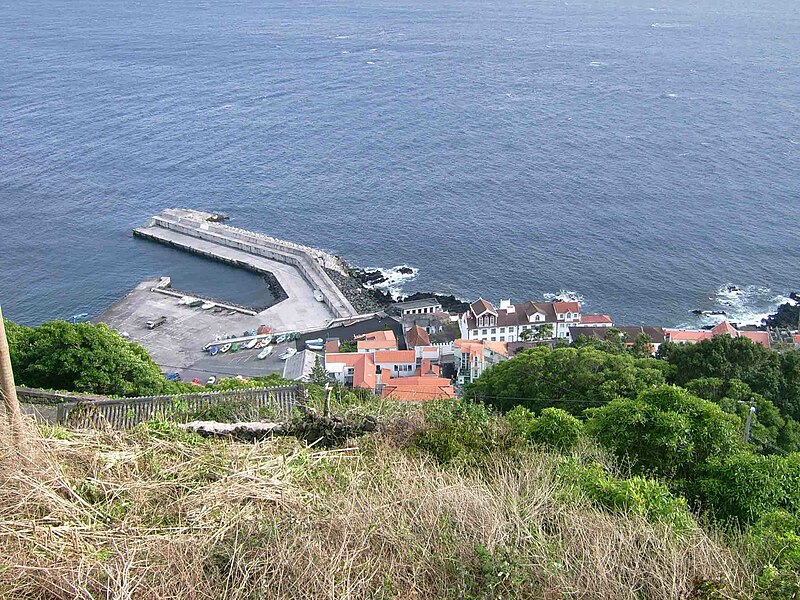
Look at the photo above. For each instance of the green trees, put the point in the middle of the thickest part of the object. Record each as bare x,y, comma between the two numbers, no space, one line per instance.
665,430
747,486
82,357
318,376
555,428
727,358
574,378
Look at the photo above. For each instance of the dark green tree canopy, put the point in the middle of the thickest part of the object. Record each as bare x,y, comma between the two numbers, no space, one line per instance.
665,430
569,378
83,357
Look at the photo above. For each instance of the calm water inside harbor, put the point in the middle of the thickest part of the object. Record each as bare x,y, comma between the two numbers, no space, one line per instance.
642,154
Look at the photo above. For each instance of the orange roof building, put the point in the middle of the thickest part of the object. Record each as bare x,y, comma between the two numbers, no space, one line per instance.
377,340
693,336
473,357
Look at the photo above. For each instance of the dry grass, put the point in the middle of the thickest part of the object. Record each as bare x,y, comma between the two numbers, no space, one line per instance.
111,515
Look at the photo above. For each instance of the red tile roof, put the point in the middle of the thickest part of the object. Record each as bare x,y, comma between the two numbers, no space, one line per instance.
417,392
723,328
595,319
395,356
565,307
417,336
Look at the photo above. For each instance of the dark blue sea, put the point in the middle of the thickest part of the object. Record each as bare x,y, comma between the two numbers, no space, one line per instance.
639,153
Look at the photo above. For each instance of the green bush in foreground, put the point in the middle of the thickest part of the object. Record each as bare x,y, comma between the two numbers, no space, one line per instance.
554,428
665,430
83,357
463,432
637,495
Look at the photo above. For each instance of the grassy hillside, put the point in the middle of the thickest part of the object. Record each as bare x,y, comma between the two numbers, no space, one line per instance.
157,513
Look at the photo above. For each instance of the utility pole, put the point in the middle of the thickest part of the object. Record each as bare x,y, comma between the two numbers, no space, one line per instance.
7,388
748,423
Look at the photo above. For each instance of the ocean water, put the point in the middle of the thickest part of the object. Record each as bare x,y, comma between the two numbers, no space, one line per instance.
640,153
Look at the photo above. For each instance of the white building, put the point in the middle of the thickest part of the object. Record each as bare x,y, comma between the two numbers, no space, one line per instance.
423,306
509,322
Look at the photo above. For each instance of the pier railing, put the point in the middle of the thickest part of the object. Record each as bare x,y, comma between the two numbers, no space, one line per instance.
124,413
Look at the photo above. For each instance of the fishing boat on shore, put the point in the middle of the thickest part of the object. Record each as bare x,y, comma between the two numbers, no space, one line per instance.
265,353
317,344
288,354
214,350
280,339
225,348
235,347
208,305
251,344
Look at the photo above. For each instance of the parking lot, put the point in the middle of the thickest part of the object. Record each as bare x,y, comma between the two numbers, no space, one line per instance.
231,364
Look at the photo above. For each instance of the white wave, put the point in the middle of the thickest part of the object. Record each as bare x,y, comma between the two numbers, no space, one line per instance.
597,63
744,305
394,279
343,37
369,62
667,25
563,296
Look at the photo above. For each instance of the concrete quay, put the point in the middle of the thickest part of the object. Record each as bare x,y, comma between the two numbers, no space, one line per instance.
193,231
177,345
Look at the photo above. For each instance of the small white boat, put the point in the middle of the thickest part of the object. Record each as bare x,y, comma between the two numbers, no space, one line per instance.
265,353
317,344
225,348
251,344
268,340
185,300
281,339
208,305
318,296
290,352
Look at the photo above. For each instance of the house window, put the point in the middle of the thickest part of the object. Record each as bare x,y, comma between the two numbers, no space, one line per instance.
494,339
494,330
484,331
502,330
536,318
502,338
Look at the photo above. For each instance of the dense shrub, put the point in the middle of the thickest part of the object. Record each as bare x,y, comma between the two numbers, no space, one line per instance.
574,377
746,486
459,431
554,428
636,495
665,431
83,357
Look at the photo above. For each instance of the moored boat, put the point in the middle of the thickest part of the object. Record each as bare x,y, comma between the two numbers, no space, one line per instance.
208,305
251,344
265,353
214,350
280,339
225,348
317,344
235,347
288,354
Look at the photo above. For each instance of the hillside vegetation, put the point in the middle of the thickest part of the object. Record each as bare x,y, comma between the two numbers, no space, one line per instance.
579,472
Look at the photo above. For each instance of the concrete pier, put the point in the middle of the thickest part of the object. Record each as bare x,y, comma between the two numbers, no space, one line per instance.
177,344
192,231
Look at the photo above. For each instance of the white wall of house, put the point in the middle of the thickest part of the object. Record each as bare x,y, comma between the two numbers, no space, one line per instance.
397,370
423,310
